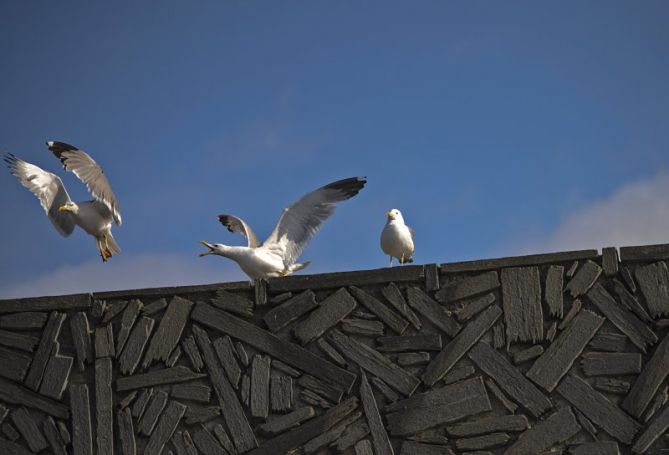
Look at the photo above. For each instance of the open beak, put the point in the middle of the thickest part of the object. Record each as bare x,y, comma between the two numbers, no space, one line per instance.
208,245
63,208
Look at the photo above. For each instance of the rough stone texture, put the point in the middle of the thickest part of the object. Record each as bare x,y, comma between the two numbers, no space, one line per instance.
260,386
585,277
553,290
282,315
169,331
45,350
330,312
595,406
81,336
561,354
459,345
653,280
521,295
82,439
479,357
378,431
557,428
103,404
56,376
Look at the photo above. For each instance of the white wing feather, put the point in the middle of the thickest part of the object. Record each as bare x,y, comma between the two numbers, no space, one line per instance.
303,219
88,171
49,190
236,224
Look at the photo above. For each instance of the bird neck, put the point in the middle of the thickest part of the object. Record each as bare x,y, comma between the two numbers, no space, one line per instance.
230,252
396,222
74,208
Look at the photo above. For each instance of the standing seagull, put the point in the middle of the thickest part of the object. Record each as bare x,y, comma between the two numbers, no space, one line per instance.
277,256
397,238
95,217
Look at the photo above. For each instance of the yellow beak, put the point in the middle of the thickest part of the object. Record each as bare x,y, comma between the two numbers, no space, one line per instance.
63,208
389,215
208,245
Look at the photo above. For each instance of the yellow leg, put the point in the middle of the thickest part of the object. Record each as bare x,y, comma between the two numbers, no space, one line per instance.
107,250
102,253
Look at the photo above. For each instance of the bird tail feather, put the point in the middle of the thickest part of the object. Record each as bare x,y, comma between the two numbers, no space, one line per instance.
295,267
113,246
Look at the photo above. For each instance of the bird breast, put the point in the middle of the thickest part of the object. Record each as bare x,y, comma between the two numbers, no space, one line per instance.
396,240
93,217
258,262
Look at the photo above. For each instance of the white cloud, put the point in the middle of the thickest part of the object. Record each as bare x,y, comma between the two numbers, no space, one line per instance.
635,214
124,272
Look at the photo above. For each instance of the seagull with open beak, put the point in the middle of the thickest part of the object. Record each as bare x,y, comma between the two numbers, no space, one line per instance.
277,256
212,248
397,238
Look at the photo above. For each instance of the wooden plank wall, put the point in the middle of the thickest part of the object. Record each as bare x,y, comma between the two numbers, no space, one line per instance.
552,353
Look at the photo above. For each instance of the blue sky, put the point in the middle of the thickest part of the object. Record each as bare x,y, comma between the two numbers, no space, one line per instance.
498,128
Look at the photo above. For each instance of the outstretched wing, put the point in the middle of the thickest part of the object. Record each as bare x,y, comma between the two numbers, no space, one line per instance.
48,188
303,219
235,224
88,171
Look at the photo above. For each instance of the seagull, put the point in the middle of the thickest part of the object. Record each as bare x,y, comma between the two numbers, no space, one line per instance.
397,238
95,217
298,223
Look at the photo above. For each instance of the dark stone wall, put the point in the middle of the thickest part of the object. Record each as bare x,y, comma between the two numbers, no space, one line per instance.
554,353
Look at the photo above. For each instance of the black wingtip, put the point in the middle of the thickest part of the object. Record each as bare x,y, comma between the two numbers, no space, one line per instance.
350,186
58,148
225,221
10,159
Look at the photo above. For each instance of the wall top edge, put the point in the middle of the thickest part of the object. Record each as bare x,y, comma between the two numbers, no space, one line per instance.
411,273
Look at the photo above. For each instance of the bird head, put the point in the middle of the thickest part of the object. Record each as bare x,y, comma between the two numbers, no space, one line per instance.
69,206
215,248
394,214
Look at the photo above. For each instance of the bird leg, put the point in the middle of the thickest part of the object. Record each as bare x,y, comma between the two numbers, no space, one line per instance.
107,250
391,261
102,253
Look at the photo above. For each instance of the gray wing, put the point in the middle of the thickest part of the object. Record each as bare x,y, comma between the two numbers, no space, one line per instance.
303,219
48,188
88,171
235,224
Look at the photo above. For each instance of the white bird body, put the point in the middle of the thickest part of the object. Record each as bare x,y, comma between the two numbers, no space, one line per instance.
397,238
257,262
94,217
298,223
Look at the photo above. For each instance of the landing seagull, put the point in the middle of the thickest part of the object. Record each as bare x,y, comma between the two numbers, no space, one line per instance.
95,217
397,238
277,256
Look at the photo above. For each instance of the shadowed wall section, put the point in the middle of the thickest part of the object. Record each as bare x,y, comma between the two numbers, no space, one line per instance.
564,352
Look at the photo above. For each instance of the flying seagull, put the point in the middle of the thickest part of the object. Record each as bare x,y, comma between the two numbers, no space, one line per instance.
95,217
277,256
397,238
